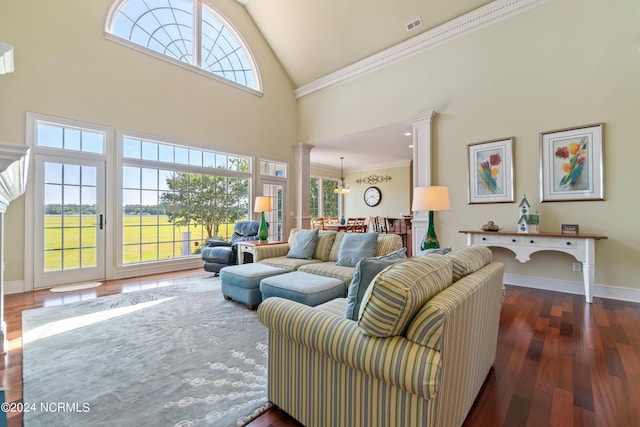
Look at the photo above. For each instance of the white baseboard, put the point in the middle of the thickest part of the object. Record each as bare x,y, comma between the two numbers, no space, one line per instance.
571,287
14,287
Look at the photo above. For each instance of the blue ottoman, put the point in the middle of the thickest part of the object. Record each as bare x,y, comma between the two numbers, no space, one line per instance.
302,287
242,282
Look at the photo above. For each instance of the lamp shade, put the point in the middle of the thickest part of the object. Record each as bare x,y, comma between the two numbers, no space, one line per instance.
6,58
434,198
262,204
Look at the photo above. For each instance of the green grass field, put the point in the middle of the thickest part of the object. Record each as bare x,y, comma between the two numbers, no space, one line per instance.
145,238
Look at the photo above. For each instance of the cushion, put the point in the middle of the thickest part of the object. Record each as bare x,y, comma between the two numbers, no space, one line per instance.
355,246
469,260
366,269
399,291
335,249
324,244
303,245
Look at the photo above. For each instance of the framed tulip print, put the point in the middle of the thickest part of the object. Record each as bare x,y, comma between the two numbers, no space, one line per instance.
491,171
571,164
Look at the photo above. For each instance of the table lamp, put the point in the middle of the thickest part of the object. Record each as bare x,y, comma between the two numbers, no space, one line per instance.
262,204
434,198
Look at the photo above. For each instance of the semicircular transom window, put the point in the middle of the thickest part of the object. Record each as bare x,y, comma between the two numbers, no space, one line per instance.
171,28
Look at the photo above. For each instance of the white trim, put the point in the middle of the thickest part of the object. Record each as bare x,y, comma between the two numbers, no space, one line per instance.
463,25
571,287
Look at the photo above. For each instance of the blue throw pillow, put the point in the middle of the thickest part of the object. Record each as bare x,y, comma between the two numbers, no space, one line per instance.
355,246
366,269
303,245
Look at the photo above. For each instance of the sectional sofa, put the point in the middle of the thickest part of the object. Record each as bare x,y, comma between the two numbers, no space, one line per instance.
325,258
423,343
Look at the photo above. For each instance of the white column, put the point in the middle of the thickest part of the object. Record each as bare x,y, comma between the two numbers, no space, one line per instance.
302,177
422,135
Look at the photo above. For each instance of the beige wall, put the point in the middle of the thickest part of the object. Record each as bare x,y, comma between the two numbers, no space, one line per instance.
395,193
65,67
561,64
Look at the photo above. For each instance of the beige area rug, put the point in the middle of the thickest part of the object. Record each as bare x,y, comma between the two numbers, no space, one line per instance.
176,356
75,286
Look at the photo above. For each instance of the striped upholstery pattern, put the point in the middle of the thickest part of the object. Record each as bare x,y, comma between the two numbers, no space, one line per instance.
271,251
388,243
471,310
468,260
335,250
291,264
400,291
426,327
325,372
400,363
330,269
324,244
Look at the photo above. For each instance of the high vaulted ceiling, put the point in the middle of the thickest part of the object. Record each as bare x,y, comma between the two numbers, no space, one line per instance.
314,38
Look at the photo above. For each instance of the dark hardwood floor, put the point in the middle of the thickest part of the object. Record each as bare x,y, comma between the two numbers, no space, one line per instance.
560,361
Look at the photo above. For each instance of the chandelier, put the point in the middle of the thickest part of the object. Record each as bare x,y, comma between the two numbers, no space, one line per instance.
341,187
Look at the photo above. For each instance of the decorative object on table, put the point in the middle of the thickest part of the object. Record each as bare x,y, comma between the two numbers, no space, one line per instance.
434,198
373,179
571,164
341,188
262,204
490,226
571,229
527,221
372,196
491,171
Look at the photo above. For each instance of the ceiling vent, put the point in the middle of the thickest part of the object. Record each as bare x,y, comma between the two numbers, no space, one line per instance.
414,24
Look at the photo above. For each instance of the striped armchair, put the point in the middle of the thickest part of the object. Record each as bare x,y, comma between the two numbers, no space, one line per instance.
423,344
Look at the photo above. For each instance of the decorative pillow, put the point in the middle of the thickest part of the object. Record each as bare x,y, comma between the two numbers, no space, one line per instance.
324,244
468,260
335,249
366,269
355,246
303,245
441,251
399,291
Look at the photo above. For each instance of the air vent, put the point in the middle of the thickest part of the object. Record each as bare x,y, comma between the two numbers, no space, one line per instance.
414,24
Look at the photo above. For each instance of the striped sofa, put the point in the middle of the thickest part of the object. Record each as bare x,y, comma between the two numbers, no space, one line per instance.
418,355
325,255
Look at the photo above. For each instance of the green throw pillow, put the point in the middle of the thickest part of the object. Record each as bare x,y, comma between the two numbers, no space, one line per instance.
303,245
366,269
355,246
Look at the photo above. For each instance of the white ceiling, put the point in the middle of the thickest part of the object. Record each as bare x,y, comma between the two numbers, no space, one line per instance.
314,38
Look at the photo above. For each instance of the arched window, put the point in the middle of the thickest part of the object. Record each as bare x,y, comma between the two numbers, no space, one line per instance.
186,31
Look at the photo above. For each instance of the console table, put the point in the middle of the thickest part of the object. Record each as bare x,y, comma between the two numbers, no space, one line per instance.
580,246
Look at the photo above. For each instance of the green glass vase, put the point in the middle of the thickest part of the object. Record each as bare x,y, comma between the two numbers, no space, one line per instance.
263,233
430,240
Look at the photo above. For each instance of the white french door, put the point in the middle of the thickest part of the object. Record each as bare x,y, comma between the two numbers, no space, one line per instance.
69,234
275,190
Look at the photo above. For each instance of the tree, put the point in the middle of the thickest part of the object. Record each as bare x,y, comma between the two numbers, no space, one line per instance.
206,200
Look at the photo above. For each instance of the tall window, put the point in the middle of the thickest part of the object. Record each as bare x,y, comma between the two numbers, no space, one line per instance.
175,197
323,202
186,31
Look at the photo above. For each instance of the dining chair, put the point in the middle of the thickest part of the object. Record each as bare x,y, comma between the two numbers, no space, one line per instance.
318,223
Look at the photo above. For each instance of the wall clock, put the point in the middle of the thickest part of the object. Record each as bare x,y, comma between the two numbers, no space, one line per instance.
372,196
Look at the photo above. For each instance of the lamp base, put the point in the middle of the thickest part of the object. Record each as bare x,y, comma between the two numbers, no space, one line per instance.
263,233
430,240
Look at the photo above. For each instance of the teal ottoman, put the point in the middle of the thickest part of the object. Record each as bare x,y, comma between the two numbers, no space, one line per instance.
303,287
242,282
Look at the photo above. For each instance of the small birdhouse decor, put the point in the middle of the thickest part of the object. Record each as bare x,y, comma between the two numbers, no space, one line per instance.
527,222
524,206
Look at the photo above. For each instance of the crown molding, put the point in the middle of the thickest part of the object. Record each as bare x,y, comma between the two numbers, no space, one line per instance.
465,24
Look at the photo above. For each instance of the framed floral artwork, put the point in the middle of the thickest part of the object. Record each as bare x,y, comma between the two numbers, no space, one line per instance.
571,164
491,171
